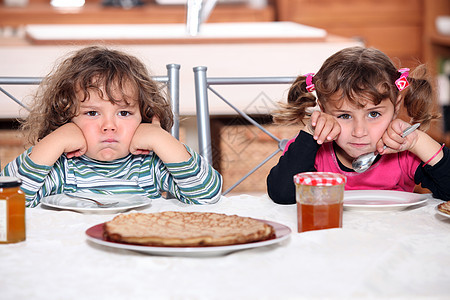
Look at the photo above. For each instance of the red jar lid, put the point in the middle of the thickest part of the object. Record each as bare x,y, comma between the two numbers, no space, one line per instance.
320,179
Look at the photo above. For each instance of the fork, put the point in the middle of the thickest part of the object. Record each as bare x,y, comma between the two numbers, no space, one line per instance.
99,204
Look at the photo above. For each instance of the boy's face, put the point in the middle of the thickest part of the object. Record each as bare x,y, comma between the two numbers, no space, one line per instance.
107,127
361,128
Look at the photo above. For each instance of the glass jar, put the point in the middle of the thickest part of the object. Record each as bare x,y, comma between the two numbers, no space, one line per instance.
12,210
320,198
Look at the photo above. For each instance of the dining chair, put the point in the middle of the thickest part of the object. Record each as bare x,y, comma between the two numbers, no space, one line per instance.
203,83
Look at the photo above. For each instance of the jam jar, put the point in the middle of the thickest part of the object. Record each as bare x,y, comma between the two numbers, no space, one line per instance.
12,210
320,198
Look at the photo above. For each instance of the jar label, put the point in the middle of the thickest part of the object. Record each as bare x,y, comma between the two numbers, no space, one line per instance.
3,221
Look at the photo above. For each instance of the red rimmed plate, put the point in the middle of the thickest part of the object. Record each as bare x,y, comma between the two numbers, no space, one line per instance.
95,235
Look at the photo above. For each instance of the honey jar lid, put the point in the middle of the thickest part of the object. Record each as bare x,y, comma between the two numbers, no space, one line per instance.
9,181
320,179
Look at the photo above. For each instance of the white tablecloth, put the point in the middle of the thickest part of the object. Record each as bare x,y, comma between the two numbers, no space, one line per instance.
377,254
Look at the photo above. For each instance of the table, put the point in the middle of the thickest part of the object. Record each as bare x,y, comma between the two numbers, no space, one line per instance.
378,254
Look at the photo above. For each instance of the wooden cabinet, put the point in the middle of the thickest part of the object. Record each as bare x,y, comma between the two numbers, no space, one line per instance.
393,26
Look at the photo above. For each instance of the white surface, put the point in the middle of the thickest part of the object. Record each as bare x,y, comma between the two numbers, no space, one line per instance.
443,84
282,232
382,200
222,60
376,255
236,30
126,202
443,25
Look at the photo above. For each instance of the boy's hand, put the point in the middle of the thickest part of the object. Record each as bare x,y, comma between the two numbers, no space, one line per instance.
73,140
151,137
323,127
67,139
145,135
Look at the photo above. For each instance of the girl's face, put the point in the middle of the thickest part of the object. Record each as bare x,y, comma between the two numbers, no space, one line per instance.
107,127
361,128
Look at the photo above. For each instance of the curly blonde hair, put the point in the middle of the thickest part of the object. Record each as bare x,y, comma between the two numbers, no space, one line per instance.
361,74
55,102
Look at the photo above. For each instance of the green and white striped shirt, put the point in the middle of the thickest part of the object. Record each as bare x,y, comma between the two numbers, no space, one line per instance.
193,181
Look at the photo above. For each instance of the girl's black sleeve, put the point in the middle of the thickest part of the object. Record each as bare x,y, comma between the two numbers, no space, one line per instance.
436,178
299,157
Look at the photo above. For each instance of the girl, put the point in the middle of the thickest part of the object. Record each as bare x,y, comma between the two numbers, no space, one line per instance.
100,124
360,94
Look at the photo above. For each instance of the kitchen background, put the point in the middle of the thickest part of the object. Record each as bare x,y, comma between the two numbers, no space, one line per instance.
410,32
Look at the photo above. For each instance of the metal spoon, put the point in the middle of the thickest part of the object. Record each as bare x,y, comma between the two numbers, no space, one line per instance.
99,204
363,162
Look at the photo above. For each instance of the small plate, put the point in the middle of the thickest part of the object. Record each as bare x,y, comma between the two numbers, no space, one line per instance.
126,202
441,212
95,234
382,200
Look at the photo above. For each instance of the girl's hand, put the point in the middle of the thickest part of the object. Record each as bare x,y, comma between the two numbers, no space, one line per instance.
393,139
67,139
418,143
323,127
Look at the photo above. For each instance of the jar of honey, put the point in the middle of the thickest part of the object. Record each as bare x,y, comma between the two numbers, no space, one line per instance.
12,210
320,198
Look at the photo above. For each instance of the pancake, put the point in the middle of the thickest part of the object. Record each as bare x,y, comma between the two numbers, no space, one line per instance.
444,207
186,229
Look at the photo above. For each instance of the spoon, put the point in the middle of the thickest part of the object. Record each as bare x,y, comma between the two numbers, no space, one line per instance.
364,161
99,204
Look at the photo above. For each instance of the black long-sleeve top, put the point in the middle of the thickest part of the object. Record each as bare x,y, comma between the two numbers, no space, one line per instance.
301,156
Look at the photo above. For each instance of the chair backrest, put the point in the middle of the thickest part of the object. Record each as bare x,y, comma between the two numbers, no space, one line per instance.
171,80
203,83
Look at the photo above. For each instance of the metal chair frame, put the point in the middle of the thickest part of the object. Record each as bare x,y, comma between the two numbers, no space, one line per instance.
202,85
171,80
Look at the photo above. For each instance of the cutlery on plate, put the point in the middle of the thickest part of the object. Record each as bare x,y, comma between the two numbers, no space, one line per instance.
99,204
363,162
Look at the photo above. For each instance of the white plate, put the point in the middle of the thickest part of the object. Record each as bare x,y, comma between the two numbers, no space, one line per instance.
383,200
441,213
95,234
126,202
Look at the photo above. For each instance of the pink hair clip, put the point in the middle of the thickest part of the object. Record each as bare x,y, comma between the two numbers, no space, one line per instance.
402,83
310,87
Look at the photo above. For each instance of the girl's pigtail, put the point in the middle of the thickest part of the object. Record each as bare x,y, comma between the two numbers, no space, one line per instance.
298,101
419,98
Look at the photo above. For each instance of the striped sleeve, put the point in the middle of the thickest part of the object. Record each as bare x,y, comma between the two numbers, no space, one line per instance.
36,182
194,181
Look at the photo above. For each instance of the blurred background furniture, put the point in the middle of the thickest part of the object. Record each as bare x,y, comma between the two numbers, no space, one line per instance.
389,25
